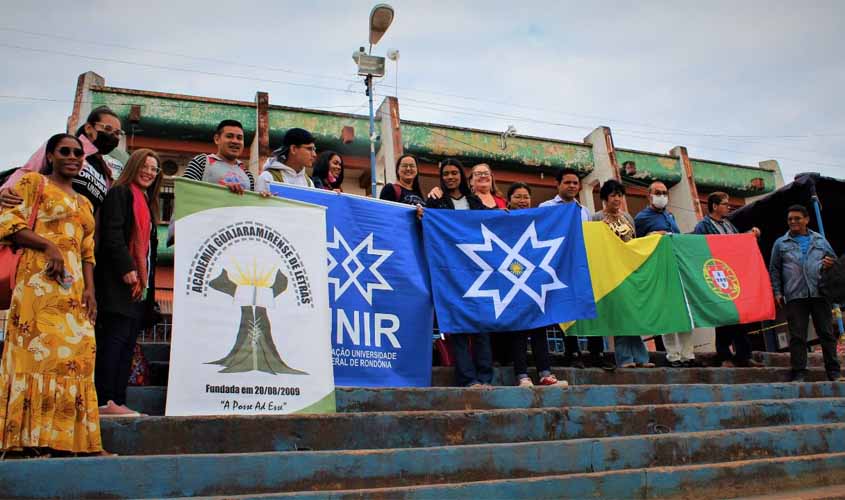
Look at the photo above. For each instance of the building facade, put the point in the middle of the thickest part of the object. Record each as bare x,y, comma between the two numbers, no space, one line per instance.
181,126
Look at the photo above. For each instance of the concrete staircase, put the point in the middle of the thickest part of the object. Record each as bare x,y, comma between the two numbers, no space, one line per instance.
659,433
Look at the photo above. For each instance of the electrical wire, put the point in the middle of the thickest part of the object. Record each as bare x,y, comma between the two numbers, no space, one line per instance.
658,129
348,91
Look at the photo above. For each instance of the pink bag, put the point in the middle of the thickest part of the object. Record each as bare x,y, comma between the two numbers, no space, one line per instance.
10,255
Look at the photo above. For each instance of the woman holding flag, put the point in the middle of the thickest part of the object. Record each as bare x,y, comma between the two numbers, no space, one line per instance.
454,193
630,350
519,197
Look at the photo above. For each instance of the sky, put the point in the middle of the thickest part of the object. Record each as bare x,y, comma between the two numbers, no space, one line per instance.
738,82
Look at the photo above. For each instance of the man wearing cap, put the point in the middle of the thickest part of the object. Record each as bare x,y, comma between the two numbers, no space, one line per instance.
289,162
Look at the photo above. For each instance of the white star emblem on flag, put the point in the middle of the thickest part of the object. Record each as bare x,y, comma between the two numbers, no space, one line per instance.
516,268
353,267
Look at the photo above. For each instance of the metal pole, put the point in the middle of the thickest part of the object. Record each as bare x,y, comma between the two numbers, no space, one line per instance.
818,210
369,81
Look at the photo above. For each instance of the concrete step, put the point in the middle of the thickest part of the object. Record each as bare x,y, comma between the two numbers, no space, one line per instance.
161,352
504,376
233,474
357,431
835,492
694,482
444,376
151,400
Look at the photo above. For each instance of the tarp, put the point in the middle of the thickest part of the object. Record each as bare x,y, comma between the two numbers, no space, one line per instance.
769,212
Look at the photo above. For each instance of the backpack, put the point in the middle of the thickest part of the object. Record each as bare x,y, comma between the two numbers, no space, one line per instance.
278,176
832,285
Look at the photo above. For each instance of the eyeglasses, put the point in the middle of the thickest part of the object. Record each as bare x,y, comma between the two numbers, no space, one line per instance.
313,149
154,170
407,166
520,196
67,151
660,193
481,174
109,130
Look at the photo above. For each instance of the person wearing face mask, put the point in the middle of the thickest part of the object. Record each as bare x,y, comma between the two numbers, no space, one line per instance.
100,135
657,219
568,187
288,163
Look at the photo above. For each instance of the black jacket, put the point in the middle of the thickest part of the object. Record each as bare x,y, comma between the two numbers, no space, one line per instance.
114,260
446,202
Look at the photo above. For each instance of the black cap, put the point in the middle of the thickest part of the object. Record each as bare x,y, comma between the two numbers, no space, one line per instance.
297,137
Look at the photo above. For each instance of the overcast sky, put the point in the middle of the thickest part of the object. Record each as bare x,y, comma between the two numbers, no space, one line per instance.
733,81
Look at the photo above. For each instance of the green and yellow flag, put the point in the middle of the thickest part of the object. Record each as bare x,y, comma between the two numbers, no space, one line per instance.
637,286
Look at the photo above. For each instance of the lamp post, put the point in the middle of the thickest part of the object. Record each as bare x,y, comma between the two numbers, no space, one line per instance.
370,66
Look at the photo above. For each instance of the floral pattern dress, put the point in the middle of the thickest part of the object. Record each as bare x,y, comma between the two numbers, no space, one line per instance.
47,395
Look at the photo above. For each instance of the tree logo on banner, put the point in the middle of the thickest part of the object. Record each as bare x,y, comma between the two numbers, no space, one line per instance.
515,267
254,288
721,279
354,268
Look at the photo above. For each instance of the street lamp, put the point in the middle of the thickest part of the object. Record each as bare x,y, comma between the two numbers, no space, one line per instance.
370,66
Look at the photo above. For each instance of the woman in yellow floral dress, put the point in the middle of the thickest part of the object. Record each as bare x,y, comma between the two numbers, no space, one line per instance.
47,398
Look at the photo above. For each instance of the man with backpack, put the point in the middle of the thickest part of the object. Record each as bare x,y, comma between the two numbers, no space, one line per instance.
288,163
224,167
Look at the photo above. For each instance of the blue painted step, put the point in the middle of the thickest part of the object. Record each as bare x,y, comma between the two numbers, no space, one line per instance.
233,474
689,481
151,400
357,431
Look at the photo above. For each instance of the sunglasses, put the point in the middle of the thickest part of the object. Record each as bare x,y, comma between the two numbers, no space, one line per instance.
67,151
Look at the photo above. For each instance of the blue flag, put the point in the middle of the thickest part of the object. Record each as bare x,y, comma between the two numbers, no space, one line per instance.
495,271
379,291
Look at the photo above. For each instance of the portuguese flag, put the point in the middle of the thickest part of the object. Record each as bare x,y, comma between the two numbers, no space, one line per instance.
725,279
637,286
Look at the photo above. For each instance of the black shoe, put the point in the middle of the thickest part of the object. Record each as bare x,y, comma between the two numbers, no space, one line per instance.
676,364
799,376
835,377
577,362
692,363
603,363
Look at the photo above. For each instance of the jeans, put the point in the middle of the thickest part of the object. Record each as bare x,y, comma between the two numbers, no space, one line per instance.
116,337
679,346
467,370
630,349
736,335
798,312
539,347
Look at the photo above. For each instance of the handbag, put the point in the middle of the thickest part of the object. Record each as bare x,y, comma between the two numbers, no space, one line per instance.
10,255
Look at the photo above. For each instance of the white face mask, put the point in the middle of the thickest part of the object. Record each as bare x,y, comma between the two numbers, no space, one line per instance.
660,201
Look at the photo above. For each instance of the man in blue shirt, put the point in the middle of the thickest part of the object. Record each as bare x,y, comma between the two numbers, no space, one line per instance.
568,187
656,219
798,258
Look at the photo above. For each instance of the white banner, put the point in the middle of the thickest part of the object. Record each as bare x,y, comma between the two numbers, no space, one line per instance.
250,313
